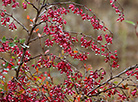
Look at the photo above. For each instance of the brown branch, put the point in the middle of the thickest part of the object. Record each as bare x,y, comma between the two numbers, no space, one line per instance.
106,90
5,61
32,5
28,40
116,76
18,22
36,57
34,39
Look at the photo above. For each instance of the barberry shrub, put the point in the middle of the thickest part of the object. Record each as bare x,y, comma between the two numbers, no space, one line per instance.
33,80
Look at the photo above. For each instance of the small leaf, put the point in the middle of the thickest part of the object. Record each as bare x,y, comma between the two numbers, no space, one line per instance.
6,64
37,78
89,67
28,17
13,57
11,44
75,51
37,70
62,52
31,20
14,67
85,65
115,82
3,39
1,86
47,83
72,79
21,91
78,98
37,29
43,79
130,22
22,40
28,83
15,38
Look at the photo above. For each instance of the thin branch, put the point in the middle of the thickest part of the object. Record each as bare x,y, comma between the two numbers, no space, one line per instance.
45,10
106,90
32,5
127,69
44,2
29,37
34,39
35,57
16,20
5,61
116,76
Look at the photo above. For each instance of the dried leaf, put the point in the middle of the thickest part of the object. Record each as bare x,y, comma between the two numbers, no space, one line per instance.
37,69
89,67
37,30
75,51
28,17
47,83
78,98
62,52
43,79
31,20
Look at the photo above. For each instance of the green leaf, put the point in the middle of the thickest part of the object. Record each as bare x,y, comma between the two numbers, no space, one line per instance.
15,40
13,57
11,44
6,64
72,79
1,86
115,82
22,40
130,22
14,67
3,39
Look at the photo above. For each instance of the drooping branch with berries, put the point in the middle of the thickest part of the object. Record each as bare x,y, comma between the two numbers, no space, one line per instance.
33,79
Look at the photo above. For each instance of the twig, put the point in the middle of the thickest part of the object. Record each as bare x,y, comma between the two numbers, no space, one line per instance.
16,20
5,61
32,5
116,76
34,39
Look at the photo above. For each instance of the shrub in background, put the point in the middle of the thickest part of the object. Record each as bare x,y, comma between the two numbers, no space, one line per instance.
31,84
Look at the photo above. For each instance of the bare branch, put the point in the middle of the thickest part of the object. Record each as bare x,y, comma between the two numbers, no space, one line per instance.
34,39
